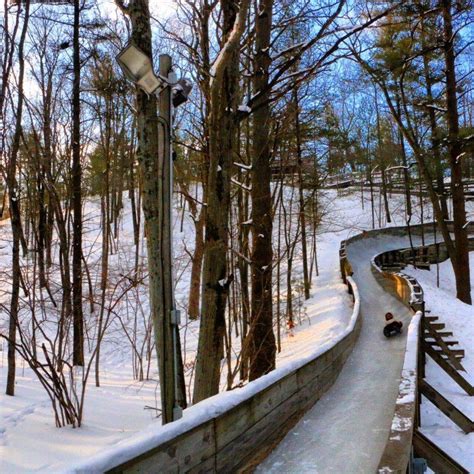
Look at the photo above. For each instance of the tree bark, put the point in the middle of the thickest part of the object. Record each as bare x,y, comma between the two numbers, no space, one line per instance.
262,348
462,273
13,192
78,317
304,245
434,127
222,132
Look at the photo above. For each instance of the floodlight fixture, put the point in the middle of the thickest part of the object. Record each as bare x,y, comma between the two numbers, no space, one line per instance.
137,67
181,92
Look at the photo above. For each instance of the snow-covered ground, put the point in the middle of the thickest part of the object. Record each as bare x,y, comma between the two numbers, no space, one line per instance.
459,318
123,407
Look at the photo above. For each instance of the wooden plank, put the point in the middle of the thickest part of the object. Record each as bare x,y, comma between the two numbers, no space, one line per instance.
311,393
206,467
456,364
444,333
431,318
260,438
454,352
238,418
446,407
437,459
314,368
436,326
265,401
435,343
452,372
234,423
183,453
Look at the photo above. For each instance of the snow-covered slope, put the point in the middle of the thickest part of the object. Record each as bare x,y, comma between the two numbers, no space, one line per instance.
123,406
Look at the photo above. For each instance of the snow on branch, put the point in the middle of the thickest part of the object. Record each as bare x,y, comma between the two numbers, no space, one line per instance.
232,42
247,188
243,166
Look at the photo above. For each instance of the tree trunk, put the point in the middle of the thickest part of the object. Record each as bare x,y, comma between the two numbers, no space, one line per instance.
304,245
76,172
222,134
196,269
462,273
13,192
434,128
262,348
105,216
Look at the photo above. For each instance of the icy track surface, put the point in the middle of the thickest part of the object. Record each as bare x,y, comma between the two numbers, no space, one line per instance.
346,431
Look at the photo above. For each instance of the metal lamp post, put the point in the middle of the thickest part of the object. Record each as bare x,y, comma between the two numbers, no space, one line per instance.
138,68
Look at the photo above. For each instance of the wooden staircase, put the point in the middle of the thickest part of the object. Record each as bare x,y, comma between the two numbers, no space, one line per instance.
445,352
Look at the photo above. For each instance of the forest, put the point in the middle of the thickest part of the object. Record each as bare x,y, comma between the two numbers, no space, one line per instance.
171,230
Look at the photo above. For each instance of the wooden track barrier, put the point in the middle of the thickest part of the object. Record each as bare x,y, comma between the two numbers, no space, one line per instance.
238,436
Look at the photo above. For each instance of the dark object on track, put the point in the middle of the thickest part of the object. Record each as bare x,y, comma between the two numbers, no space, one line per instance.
395,327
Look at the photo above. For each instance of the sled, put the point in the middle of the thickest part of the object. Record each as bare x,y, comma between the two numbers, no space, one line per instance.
393,328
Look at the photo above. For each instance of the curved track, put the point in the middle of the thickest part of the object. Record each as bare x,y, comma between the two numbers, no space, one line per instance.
346,431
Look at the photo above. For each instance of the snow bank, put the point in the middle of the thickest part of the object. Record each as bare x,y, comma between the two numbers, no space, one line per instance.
396,455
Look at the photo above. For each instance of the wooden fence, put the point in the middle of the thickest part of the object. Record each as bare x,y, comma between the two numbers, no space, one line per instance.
240,437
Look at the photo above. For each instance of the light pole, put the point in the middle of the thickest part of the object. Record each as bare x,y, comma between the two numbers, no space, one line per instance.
138,68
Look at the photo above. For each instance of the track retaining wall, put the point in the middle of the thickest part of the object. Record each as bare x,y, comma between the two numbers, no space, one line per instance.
235,435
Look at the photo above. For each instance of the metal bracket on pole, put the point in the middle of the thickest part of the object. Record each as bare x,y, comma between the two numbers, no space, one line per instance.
175,317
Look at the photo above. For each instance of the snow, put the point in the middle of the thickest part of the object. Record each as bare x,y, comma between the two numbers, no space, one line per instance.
243,166
127,425
244,108
326,318
408,381
26,419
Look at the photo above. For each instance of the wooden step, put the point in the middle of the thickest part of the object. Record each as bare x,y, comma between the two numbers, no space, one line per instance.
431,318
449,369
456,352
445,333
447,359
435,343
437,326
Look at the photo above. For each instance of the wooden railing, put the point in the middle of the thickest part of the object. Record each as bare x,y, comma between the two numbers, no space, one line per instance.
236,438
235,430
